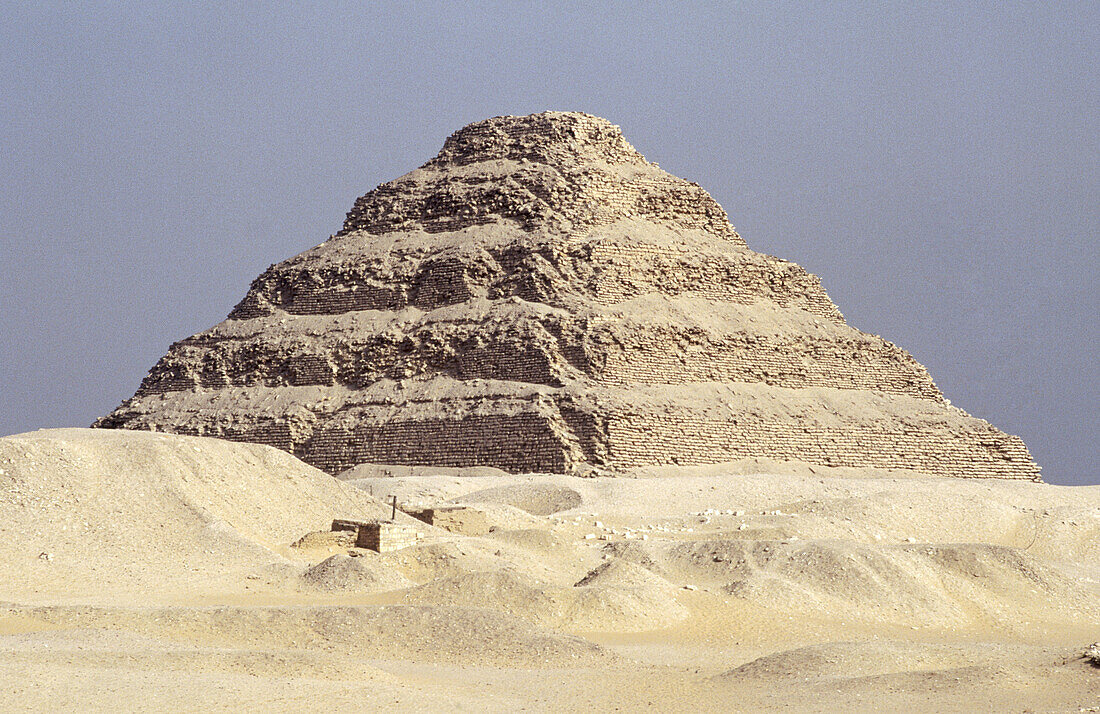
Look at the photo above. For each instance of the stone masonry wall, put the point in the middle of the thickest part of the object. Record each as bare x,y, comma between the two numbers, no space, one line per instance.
519,443
547,352
604,272
776,362
979,453
529,442
743,278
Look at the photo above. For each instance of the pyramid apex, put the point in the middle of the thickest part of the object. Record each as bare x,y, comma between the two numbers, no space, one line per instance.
555,171
550,137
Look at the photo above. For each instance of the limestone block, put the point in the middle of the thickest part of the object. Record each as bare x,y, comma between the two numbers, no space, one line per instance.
386,536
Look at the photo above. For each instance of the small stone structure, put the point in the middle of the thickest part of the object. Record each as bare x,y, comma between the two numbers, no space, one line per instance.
456,519
385,536
381,536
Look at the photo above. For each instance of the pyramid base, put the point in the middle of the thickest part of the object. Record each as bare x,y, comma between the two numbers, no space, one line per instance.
536,429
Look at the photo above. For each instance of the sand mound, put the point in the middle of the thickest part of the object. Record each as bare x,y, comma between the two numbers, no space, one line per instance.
343,573
87,511
917,585
502,516
537,540
537,499
463,556
896,675
500,591
623,574
604,609
421,633
840,660
424,562
644,555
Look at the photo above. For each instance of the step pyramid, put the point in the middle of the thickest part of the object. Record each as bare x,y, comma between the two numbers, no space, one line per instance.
540,298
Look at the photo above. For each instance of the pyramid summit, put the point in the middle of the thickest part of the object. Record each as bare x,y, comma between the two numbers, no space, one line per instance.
539,297
558,170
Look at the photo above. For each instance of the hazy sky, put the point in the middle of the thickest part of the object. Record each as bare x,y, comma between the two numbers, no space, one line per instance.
935,163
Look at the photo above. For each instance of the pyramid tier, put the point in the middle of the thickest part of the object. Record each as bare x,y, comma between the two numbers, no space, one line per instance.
536,428
609,265
563,172
654,339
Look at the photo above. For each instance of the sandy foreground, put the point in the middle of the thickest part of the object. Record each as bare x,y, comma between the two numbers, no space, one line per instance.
150,572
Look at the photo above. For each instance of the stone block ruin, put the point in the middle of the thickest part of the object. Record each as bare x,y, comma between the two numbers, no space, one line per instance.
381,536
540,298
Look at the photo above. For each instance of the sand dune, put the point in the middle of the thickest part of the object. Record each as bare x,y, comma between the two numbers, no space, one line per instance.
86,510
163,569
877,676
919,585
343,573
419,633
640,606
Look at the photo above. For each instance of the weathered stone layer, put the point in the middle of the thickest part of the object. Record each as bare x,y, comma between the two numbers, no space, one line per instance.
515,340
603,267
546,429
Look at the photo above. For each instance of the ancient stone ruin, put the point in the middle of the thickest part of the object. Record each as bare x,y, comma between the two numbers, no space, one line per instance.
539,297
379,535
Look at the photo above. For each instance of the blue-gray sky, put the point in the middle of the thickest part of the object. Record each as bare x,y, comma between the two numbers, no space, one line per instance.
935,163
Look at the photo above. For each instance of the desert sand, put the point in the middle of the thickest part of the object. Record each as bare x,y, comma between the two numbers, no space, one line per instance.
149,572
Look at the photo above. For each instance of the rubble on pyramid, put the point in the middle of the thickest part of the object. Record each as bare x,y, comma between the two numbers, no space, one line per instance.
540,298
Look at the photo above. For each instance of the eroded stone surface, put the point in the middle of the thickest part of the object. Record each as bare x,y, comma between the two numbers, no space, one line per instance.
539,297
